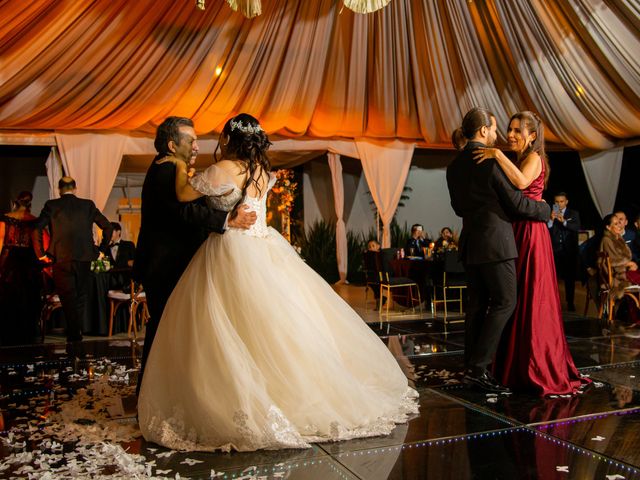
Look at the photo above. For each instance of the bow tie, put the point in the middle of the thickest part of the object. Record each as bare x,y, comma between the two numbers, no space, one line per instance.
115,244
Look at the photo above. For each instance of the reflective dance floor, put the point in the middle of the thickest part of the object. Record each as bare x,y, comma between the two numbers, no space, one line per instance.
460,433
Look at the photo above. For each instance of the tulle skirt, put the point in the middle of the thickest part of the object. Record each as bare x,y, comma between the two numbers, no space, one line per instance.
256,351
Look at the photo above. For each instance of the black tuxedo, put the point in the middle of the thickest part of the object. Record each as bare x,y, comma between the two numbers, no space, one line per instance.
170,234
121,270
485,199
564,240
125,252
70,222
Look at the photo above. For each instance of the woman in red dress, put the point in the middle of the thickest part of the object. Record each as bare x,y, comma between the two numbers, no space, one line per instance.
533,355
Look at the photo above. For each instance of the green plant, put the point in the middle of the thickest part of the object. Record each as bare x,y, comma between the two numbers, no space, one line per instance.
399,235
356,245
318,248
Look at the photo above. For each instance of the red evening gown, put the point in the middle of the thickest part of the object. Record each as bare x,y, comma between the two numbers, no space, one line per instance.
533,355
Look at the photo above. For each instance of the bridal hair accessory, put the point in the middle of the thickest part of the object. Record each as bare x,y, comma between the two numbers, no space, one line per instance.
248,128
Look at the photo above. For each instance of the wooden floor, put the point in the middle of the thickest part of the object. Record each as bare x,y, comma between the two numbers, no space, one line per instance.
460,433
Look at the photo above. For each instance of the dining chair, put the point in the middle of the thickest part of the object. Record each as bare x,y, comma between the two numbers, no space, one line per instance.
452,281
371,268
608,300
391,285
136,299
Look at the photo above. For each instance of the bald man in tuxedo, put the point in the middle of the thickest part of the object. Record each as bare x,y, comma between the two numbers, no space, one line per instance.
70,221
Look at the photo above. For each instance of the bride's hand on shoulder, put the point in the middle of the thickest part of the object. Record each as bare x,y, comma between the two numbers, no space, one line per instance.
482,154
184,191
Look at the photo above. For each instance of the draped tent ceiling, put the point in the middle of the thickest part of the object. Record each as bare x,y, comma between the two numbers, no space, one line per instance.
311,68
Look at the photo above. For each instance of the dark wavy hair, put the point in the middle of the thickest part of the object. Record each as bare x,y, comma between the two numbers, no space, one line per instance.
169,130
446,228
23,200
531,122
248,143
474,120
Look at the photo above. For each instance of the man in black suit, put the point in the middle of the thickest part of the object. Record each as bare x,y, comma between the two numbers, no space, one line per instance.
416,243
485,199
170,231
120,254
70,222
563,227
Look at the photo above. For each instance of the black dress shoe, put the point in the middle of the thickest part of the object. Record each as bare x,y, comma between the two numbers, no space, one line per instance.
483,380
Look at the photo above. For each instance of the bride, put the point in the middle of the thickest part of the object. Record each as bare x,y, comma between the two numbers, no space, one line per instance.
254,349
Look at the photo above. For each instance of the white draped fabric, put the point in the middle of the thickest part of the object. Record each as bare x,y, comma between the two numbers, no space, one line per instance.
602,171
54,172
341,229
93,161
385,166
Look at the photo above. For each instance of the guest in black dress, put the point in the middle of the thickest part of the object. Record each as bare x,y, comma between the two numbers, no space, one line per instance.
19,275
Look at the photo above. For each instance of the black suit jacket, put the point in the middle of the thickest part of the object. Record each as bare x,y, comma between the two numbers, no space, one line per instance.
126,251
487,202
564,238
170,231
70,221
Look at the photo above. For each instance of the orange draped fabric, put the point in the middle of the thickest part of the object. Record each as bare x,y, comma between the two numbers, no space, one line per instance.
310,68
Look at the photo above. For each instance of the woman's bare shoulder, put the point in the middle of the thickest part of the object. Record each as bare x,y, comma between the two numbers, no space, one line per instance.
532,158
232,167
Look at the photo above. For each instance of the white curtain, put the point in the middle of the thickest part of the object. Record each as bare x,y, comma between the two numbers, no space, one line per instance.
54,172
385,166
602,171
93,161
341,229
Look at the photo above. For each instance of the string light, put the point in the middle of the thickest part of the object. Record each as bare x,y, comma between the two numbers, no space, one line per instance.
200,4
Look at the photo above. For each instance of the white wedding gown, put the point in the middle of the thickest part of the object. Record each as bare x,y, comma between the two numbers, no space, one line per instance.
256,351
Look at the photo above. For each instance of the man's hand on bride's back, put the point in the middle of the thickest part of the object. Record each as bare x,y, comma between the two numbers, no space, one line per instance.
241,217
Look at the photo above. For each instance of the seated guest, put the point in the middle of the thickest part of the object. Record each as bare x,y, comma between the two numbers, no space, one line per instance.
417,242
371,267
120,254
625,271
373,246
629,234
446,241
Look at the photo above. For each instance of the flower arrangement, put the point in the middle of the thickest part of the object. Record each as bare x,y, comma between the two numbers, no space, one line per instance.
101,265
284,191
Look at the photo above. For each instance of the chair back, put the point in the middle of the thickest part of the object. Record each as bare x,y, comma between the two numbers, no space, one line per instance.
371,266
371,261
386,255
452,262
604,270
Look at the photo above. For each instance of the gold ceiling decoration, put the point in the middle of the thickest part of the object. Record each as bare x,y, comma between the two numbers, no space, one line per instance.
253,8
365,6
249,8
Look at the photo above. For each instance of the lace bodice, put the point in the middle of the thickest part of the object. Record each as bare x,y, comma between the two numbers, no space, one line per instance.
225,194
17,232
